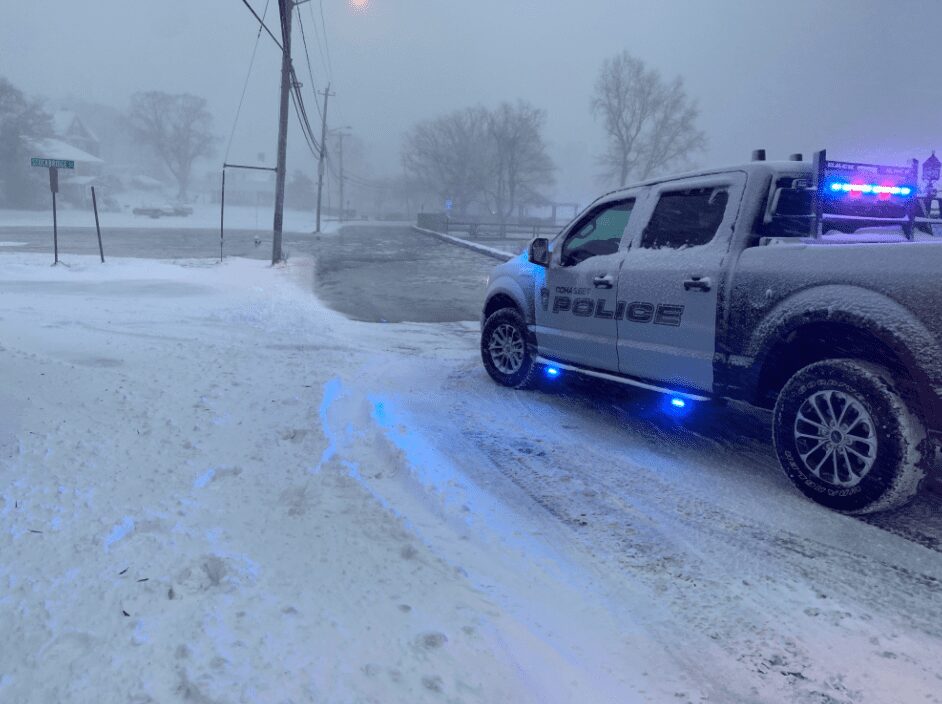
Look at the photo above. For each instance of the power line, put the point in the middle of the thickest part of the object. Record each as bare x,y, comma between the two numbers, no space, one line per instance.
330,69
297,98
310,71
264,26
304,130
306,122
248,75
356,180
320,43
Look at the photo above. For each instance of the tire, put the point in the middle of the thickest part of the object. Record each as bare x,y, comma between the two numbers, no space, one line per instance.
847,439
505,352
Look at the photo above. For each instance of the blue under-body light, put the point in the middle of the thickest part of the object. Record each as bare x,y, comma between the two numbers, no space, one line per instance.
871,189
678,403
552,371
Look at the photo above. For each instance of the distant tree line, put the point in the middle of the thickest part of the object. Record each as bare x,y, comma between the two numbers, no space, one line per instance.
21,119
493,161
497,160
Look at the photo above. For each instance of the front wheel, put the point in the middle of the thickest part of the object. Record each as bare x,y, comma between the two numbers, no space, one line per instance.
847,438
504,349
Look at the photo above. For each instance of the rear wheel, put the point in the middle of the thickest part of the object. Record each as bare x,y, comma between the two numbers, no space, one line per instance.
504,349
847,438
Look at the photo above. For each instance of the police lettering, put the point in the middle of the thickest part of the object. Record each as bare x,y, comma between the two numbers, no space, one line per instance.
583,307
635,312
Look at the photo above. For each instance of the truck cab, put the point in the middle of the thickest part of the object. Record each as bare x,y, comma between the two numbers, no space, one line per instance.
711,285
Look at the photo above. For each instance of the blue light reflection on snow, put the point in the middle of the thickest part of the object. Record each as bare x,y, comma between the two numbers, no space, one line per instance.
332,391
119,531
457,495
205,478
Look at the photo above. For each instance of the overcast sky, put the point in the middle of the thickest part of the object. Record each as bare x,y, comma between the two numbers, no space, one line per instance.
856,76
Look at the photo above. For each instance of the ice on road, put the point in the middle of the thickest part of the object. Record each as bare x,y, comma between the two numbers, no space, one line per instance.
214,489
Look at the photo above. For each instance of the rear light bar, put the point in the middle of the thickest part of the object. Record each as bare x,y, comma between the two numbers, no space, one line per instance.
852,191
872,189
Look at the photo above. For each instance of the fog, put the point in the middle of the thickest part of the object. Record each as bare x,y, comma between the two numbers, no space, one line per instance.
855,76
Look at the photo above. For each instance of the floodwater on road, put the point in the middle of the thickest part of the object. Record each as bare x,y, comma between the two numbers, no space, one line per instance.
395,274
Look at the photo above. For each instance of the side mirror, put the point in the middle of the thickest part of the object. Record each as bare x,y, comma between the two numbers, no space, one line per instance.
538,252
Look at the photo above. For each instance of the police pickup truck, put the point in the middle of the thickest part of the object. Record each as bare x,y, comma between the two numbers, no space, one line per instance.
810,289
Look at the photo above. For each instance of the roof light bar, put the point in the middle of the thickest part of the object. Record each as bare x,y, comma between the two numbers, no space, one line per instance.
871,189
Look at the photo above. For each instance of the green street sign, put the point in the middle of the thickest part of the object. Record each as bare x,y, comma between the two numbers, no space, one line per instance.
52,163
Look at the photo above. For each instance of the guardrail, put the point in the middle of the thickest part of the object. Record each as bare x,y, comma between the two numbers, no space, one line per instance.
498,254
439,222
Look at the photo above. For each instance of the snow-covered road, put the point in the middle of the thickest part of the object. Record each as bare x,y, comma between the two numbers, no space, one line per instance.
213,489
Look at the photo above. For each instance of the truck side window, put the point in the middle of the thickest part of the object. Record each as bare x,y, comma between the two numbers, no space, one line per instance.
686,218
600,233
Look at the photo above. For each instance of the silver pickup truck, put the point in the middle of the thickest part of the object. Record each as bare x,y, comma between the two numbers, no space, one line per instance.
812,290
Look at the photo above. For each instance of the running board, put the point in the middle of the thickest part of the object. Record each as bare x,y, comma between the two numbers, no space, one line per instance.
621,380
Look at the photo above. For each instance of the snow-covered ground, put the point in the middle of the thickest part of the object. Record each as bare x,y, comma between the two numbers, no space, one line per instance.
213,489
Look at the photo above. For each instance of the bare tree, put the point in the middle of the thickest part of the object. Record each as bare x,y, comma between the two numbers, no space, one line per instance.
178,127
520,166
650,124
495,158
446,156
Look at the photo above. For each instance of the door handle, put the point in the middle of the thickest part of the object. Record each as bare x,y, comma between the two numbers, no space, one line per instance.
698,283
603,281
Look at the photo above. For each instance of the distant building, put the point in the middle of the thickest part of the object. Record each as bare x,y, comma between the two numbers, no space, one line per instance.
72,141
69,128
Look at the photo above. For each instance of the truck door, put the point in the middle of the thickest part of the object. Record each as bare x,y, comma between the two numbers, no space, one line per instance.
575,310
670,280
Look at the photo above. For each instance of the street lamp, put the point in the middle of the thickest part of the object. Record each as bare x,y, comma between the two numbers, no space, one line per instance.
341,132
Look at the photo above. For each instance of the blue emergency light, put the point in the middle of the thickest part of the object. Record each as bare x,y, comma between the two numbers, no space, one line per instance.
873,189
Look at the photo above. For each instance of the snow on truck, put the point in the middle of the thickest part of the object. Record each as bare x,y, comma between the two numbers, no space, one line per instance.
810,289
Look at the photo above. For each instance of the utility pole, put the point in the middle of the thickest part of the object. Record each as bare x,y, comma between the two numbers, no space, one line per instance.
320,163
286,9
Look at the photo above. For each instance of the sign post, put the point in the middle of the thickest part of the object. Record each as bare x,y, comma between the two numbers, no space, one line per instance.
101,251
53,165
54,187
